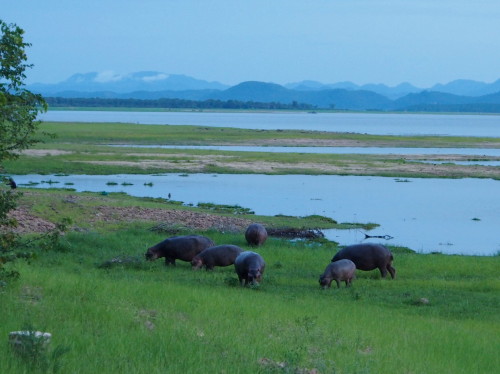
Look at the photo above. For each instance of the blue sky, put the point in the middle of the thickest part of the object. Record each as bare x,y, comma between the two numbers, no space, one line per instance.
364,41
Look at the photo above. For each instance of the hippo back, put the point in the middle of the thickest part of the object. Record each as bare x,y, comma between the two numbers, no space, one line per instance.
221,255
256,234
179,247
249,262
367,256
186,247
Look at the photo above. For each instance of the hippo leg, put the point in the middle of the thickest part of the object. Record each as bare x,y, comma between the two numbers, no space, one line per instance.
338,283
383,271
169,261
241,280
391,270
348,282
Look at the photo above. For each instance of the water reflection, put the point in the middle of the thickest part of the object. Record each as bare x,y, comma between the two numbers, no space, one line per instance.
454,216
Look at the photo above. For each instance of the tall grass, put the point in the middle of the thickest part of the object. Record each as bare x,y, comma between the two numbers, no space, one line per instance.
143,317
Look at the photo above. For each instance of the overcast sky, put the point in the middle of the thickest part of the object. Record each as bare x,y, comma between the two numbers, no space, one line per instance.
282,41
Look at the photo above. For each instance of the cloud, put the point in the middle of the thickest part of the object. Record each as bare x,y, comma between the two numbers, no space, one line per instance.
157,77
107,76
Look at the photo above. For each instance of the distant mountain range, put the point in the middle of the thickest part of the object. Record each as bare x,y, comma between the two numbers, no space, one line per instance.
458,95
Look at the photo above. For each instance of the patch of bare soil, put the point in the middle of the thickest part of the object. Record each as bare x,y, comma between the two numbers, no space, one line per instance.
28,223
188,219
167,221
44,152
202,164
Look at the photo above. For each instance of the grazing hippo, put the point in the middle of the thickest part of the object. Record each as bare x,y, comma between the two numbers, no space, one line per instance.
221,255
179,247
368,256
256,234
249,266
341,270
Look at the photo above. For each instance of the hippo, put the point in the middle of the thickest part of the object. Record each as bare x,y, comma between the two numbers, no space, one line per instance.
250,267
220,255
179,247
368,256
341,270
256,234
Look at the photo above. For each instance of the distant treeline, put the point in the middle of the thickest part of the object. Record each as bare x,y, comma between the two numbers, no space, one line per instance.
171,103
450,108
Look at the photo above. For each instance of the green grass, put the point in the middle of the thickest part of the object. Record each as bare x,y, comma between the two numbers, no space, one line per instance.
148,318
53,204
101,160
85,148
440,315
122,133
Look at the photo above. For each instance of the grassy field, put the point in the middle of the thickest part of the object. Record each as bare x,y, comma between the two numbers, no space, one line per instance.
85,148
110,311
440,315
122,133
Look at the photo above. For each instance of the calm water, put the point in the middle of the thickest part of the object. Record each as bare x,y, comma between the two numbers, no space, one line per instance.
364,123
453,216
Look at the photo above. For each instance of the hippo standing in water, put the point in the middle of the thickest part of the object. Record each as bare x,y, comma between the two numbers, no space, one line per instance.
341,270
256,234
249,266
220,255
179,247
368,256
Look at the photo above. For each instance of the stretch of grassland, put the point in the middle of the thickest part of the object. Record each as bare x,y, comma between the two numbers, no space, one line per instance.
110,311
122,133
89,148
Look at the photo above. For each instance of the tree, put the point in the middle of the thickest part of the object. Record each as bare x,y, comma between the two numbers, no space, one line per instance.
18,125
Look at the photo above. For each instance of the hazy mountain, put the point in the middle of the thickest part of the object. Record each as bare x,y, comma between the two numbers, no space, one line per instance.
382,89
429,97
467,87
258,91
149,85
445,102
139,81
327,98
317,86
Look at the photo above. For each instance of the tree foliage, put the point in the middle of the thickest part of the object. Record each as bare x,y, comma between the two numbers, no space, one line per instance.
18,106
18,125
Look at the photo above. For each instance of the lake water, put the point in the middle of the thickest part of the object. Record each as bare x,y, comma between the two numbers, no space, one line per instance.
452,216
363,123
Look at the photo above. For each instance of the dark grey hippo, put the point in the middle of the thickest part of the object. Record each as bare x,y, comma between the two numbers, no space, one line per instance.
341,270
256,234
179,247
250,267
220,255
368,256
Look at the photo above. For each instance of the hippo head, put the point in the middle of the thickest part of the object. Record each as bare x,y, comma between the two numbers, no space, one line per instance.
151,254
196,263
325,282
254,276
